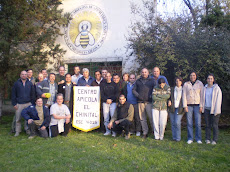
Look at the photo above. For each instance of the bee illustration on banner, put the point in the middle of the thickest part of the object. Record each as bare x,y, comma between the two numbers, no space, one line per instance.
84,38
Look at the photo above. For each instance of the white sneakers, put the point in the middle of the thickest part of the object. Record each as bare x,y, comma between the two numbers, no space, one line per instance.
114,134
138,134
213,143
16,134
207,141
107,133
189,142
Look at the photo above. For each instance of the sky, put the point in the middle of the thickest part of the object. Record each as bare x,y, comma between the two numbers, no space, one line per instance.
170,7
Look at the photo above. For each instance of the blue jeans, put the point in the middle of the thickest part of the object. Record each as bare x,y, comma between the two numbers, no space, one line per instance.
194,109
175,119
108,111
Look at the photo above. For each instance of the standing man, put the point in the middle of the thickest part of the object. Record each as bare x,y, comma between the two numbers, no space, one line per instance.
121,84
60,118
60,78
143,89
136,124
76,75
44,73
38,119
103,73
47,89
156,75
109,94
122,117
30,76
23,94
98,79
66,89
97,82
40,79
86,80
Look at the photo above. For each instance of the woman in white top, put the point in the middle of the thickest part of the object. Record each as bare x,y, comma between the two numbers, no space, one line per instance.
176,110
210,105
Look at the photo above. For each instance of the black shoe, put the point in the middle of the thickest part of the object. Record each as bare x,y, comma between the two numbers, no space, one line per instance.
145,136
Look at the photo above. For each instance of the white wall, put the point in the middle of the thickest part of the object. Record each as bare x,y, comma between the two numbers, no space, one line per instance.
118,14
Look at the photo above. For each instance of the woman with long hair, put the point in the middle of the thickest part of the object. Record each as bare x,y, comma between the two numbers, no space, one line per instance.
176,110
211,107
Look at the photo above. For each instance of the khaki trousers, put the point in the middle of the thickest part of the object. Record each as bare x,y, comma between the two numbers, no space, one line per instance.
18,117
145,110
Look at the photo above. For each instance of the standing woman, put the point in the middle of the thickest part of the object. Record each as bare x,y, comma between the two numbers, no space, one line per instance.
160,96
211,107
192,91
176,110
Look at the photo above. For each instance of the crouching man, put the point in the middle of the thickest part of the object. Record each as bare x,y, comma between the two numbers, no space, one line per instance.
38,119
60,118
122,117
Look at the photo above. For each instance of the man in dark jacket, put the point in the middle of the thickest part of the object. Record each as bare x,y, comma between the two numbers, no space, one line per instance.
67,91
143,91
38,119
122,118
120,84
97,82
98,79
109,94
23,94
60,77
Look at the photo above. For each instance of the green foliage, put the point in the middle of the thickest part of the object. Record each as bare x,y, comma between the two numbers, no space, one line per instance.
28,33
216,18
177,48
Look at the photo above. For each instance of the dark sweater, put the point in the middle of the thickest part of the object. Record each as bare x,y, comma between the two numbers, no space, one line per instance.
109,91
23,94
123,112
61,89
143,89
94,83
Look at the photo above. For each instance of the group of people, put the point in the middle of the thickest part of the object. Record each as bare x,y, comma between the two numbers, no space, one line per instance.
127,103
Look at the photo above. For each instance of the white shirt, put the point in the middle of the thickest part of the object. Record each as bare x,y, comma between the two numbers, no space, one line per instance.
62,110
177,96
75,78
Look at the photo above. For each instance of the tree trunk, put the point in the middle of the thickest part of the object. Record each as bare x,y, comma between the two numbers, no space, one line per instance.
207,6
194,15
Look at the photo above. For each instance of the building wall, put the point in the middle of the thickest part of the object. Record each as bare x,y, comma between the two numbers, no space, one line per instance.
117,14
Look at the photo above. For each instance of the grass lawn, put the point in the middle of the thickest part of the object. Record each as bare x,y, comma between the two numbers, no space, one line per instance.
94,152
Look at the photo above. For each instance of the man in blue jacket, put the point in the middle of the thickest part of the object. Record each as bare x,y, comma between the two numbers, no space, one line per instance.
23,94
156,75
85,80
38,119
132,99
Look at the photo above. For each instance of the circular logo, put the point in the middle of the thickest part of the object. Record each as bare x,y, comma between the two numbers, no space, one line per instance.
87,30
